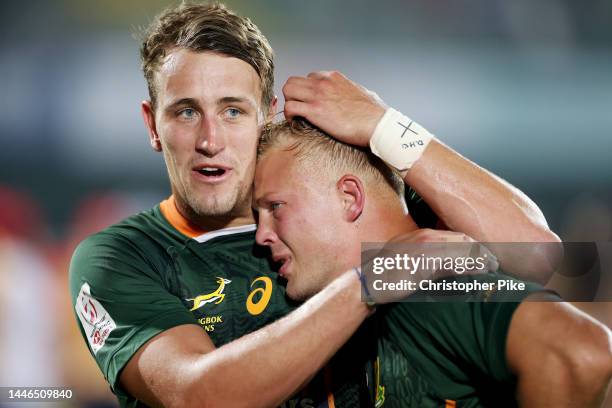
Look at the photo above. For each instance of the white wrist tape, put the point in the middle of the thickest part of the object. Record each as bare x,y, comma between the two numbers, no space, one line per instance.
398,140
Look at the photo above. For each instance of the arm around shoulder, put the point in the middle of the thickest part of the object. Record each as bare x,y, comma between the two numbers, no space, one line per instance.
181,368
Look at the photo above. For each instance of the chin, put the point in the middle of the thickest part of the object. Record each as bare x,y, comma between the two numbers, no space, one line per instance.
299,294
217,203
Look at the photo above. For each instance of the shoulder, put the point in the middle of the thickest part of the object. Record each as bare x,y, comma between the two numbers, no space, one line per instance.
137,233
135,246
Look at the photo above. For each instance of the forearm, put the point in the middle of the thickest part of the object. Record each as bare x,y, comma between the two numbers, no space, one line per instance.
472,200
469,199
266,367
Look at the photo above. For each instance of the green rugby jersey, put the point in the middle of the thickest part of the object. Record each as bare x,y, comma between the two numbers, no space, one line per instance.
145,275
142,276
445,354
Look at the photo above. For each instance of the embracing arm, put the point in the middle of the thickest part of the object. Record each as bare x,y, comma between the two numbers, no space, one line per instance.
465,197
181,367
472,200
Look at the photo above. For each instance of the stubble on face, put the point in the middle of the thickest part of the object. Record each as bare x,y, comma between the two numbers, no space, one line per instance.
232,202
208,79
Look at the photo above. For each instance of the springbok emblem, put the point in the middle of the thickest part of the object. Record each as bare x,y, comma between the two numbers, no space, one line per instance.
217,296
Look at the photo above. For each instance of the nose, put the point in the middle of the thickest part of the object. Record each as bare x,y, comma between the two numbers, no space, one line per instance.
265,234
211,140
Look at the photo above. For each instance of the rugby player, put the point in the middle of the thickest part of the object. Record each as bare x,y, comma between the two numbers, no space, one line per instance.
317,198
165,299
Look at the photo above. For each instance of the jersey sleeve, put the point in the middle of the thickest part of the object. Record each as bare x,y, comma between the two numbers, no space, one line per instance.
120,301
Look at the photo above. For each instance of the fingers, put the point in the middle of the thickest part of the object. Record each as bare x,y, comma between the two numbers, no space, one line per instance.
450,253
298,89
296,108
299,95
325,75
314,85
335,104
482,252
318,74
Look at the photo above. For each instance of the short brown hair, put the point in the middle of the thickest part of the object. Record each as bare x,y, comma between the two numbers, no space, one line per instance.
207,27
311,145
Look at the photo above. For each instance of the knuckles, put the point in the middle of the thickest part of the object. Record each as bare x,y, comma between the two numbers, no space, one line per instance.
289,109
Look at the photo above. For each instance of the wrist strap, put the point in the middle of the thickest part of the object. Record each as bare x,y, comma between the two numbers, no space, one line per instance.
368,298
398,140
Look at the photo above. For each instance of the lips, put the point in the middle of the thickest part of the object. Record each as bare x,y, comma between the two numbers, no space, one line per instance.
211,173
285,261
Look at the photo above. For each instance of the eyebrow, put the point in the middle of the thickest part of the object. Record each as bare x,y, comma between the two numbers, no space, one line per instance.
256,203
180,102
259,202
221,101
237,99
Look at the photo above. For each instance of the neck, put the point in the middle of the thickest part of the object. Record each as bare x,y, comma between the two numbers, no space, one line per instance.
213,222
384,222
380,222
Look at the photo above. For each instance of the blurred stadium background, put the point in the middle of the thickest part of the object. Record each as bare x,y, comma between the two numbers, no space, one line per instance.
523,88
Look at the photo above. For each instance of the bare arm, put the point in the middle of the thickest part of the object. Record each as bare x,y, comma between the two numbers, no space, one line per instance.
181,367
561,356
472,200
465,197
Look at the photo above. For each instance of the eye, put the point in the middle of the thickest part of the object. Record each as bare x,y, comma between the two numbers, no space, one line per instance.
187,113
232,113
275,206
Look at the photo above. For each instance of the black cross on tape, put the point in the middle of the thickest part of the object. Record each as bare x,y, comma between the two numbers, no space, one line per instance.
406,128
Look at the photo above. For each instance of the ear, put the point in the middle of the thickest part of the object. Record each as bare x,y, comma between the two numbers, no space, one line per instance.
272,109
148,114
352,193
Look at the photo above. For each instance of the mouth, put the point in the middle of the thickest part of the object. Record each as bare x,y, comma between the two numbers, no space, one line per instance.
284,261
212,173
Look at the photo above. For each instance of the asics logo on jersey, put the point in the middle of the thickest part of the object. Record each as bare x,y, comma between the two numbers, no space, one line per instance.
217,296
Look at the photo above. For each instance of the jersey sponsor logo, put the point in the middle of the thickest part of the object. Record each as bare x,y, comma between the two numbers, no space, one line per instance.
256,307
217,296
95,320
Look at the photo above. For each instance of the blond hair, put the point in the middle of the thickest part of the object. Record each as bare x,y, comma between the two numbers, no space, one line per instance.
314,147
207,27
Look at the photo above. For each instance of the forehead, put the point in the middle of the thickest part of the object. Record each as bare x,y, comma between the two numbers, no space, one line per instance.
206,76
276,170
279,171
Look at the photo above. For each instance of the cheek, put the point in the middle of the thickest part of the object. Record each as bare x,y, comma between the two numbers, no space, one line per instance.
176,140
288,230
304,237
327,213
282,229
244,149
247,148
244,136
